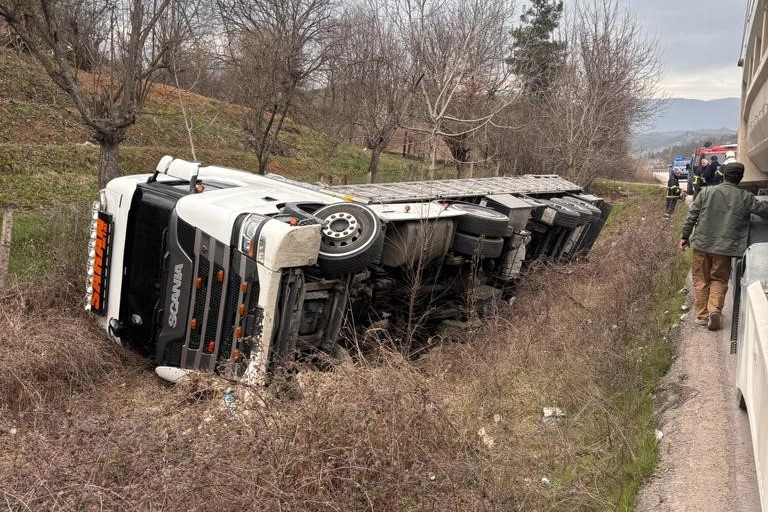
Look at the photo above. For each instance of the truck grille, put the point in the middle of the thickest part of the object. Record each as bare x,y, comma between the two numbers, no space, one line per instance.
212,321
199,309
230,311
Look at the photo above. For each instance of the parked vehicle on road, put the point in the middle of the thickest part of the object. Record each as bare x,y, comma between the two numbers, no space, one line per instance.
749,330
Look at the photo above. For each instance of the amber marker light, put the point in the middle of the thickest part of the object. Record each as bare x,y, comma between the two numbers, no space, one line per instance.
193,323
238,332
293,221
220,275
210,347
199,188
199,283
242,309
244,287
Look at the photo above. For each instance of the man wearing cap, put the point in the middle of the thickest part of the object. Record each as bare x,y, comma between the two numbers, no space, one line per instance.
720,216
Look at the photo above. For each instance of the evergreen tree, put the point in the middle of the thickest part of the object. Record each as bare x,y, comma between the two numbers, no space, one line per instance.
535,55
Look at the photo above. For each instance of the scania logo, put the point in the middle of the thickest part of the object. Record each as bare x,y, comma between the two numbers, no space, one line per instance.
178,275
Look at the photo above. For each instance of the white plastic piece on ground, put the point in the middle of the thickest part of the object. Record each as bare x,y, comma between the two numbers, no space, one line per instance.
553,412
171,373
659,435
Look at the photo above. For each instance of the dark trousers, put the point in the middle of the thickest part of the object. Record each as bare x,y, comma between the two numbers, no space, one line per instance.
671,204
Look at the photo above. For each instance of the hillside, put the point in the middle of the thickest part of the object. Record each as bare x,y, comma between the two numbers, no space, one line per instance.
461,427
46,156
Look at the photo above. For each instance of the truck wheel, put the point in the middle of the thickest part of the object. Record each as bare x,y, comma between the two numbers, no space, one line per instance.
469,245
479,220
352,238
565,217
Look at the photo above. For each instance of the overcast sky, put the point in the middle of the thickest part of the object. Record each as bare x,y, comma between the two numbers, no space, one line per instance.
699,44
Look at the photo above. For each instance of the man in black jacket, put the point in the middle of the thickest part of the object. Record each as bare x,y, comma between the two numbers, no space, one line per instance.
712,174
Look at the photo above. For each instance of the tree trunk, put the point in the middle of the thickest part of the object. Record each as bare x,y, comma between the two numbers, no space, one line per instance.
5,245
263,163
432,156
110,148
373,166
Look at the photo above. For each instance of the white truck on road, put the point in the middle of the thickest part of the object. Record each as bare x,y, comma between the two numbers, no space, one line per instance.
749,331
210,268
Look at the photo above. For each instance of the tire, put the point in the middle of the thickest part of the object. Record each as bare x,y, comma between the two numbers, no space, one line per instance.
484,247
565,217
352,238
585,216
479,220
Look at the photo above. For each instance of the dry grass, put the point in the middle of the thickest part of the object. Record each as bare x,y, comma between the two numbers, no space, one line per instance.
459,430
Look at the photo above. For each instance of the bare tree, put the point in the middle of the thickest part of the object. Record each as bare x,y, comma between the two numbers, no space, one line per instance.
601,93
460,48
275,47
128,52
374,77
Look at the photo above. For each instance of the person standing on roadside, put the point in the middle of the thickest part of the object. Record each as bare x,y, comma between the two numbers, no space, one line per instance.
673,192
720,216
698,180
712,174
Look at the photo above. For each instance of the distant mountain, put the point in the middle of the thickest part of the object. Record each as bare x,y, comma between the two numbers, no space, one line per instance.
681,141
680,115
685,122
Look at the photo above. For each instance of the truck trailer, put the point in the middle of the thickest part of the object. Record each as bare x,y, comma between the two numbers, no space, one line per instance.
218,269
749,329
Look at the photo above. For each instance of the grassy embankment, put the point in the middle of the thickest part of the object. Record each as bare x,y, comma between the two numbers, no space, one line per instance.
459,429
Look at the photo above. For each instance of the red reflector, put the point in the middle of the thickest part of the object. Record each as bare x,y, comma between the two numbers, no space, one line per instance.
199,283
210,347
242,309
238,332
244,287
220,275
193,323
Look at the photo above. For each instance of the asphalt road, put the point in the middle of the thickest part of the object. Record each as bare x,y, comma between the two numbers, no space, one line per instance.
705,460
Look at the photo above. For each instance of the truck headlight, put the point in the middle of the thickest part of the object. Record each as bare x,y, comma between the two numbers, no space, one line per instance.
249,234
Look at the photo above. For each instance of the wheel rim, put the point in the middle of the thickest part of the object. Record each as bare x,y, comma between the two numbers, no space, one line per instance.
340,229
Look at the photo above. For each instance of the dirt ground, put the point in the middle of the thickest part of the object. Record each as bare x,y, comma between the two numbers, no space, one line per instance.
705,455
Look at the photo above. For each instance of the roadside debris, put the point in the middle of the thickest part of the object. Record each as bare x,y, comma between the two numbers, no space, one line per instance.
8,430
485,438
229,401
552,414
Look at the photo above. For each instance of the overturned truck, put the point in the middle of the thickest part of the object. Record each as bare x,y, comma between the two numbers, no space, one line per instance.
219,269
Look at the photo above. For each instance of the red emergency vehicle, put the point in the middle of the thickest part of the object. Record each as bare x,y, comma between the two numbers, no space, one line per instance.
708,151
